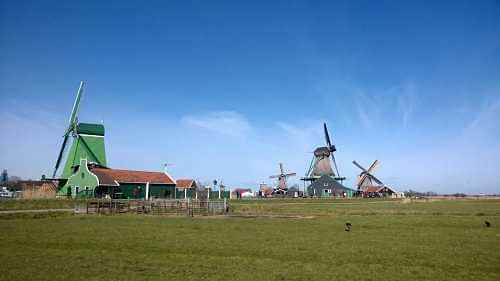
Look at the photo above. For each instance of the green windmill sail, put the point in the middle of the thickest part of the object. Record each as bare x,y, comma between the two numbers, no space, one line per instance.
88,142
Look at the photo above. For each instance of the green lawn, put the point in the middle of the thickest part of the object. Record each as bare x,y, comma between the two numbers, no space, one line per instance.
35,204
390,240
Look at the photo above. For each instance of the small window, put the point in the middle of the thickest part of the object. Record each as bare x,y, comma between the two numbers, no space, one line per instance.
83,175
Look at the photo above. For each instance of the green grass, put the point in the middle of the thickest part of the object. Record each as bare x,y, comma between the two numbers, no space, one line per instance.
443,240
35,204
368,207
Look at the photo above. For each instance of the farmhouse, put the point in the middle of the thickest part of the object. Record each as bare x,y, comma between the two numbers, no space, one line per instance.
90,180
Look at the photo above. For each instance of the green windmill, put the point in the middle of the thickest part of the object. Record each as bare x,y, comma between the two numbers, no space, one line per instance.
88,143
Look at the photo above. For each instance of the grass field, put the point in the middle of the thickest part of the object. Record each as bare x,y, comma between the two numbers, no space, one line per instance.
298,240
21,204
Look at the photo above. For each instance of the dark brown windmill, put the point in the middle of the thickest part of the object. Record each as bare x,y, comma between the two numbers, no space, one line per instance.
282,177
321,164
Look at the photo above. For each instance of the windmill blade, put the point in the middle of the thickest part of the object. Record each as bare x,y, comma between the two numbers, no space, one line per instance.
71,127
375,179
311,164
362,178
335,164
327,136
357,165
281,168
275,176
373,166
61,152
290,174
76,105
358,180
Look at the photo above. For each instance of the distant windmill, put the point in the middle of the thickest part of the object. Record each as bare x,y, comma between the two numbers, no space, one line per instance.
321,164
366,178
4,177
282,177
88,141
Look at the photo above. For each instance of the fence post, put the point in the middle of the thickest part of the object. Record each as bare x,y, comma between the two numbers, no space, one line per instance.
225,206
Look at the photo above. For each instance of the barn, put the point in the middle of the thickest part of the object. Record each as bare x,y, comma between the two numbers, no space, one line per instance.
378,191
91,180
35,189
327,186
186,188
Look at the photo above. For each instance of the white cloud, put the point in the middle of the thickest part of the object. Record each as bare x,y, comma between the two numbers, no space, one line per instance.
485,122
373,107
230,123
30,134
364,106
305,133
406,101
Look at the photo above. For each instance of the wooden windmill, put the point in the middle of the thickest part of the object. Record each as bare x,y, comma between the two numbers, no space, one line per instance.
323,159
88,142
282,177
366,180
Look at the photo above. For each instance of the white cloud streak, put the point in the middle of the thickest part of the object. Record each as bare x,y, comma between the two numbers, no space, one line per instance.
406,102
229,123
371,107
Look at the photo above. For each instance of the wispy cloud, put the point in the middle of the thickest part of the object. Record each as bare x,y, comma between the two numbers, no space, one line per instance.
230,123
303,136
372,107
406,99
18,114
486,120
366,109
29,133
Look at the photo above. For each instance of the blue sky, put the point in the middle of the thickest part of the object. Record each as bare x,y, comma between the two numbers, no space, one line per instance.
227,90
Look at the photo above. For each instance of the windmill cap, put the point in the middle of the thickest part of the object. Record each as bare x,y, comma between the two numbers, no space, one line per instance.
90,129
322,151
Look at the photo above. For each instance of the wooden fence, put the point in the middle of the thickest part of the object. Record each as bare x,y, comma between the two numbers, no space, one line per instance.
183,207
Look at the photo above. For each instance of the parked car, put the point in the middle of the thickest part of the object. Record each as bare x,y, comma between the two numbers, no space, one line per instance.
5,193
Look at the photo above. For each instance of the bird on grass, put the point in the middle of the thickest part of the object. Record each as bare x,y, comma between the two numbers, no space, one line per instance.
348,226
487,223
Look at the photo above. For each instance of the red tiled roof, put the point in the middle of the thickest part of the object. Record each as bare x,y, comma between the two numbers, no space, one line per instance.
109,176
104,177
184,183
377,189
372,189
